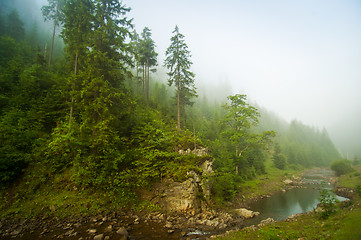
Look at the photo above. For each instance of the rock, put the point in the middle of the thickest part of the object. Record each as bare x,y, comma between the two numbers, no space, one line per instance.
91,231
168,225
179,196
107,238
170,231
123,232
266,221
288,181
69,233
245,213
109,228
16,232
99,237
52,208
201,152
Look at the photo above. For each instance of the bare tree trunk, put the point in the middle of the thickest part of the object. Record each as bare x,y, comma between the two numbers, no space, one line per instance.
137,80
144,79
45,49
178,100
52,44
147,83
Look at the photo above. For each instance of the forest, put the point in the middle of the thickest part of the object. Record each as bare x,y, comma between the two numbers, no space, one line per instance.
87,107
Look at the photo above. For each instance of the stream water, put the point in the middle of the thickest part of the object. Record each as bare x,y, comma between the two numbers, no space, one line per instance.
284,204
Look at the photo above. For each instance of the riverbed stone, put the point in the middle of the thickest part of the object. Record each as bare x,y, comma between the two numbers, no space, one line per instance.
123,232
99,237
288,181
266,221
245,213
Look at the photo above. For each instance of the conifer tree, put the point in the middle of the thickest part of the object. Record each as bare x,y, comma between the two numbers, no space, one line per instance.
148,58
178,62
77,23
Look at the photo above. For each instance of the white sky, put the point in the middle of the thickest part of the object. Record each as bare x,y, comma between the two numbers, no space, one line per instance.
300,59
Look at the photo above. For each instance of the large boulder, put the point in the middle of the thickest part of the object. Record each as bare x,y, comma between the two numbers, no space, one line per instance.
245,213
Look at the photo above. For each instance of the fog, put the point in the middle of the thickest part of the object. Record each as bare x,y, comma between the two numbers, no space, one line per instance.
299,59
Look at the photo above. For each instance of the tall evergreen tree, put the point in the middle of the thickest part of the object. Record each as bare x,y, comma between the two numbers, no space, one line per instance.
178,62
148,58
78,23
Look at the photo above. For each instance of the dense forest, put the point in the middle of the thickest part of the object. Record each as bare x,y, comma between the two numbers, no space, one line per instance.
87,105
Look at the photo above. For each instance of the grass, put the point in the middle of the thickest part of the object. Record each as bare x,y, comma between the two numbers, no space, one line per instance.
267,183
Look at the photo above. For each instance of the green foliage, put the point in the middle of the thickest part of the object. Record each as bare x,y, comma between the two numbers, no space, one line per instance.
341,167
224,187
279,159
327,203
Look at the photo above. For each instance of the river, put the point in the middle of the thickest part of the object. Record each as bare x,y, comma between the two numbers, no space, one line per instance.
301,199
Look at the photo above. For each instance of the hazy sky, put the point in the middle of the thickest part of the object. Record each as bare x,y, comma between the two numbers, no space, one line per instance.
300,59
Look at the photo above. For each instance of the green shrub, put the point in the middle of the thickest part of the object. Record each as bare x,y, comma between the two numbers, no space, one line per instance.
341,167
328,203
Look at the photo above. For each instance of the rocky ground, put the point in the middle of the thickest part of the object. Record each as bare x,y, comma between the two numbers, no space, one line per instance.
125,226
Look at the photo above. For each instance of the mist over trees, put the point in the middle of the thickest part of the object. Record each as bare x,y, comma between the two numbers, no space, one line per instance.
99,116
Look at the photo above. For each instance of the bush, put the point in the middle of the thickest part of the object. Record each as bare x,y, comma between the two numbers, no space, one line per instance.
341,167
328,203
224,187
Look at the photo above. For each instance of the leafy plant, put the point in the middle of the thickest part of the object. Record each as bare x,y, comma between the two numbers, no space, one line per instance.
327,203
341,167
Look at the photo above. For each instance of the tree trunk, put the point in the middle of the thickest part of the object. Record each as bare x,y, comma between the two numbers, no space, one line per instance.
137,79
144,79
52,44
147,83
45,49
178,98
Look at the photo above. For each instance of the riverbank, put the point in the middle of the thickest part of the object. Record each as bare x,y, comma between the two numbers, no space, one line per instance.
71,213
344,224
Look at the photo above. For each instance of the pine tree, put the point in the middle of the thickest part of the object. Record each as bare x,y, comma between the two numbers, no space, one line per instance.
148,58
178,62
77,23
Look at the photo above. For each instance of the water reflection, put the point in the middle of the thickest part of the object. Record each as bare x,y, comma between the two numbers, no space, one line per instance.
281,205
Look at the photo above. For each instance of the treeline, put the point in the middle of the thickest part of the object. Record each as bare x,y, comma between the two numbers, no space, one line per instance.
77,114
95,113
